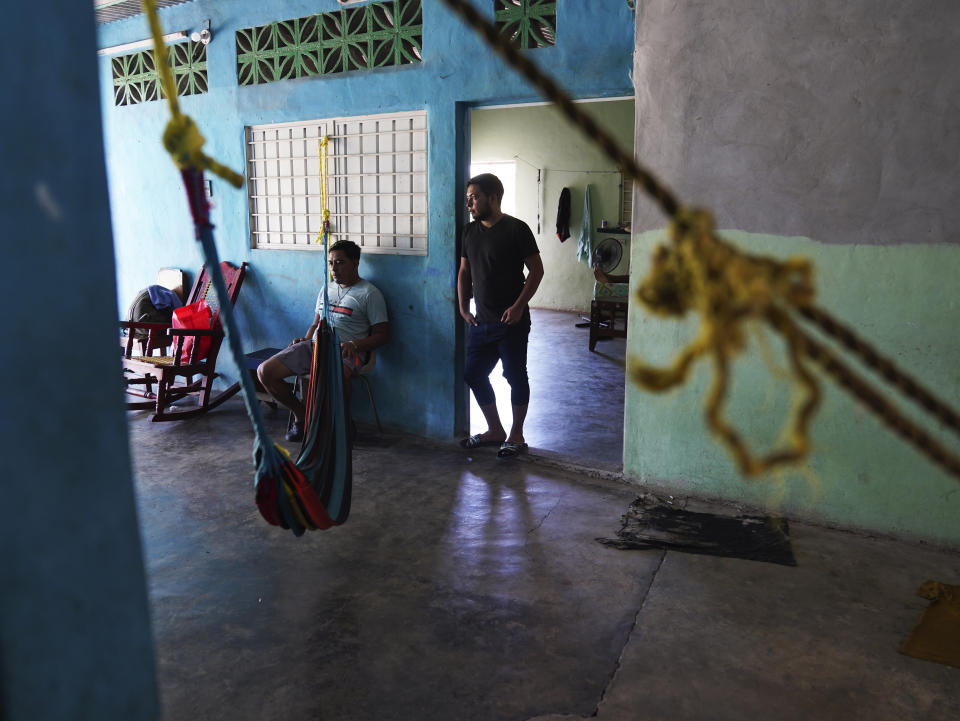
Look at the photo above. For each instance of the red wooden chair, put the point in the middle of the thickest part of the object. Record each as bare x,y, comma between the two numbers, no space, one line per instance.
143,372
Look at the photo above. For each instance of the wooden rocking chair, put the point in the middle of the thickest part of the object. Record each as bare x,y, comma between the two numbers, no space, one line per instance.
143,372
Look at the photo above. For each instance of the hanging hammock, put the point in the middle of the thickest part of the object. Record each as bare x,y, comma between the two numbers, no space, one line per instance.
313,493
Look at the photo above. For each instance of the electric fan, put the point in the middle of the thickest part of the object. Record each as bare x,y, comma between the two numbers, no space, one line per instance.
607,254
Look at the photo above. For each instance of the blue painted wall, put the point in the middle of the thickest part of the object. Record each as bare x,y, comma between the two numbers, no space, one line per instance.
417,383
74,627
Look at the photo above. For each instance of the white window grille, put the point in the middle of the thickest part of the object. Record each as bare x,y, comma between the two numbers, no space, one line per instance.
376,183
626,200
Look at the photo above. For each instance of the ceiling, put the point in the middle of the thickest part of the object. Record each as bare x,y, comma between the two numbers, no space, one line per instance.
110,10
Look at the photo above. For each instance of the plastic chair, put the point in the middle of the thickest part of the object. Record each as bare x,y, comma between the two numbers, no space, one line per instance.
360,375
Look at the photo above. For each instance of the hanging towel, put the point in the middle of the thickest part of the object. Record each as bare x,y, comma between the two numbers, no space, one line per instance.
563,215
585,241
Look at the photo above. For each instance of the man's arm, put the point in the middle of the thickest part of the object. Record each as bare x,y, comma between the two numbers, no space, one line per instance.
310,331
513,314
379,335
464,291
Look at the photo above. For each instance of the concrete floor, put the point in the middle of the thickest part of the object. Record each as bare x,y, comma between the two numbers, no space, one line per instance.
464,587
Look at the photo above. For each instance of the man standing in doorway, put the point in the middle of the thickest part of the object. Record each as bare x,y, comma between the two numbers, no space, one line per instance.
496,247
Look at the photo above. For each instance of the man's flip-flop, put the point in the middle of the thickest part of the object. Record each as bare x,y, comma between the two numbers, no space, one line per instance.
511,450
477,441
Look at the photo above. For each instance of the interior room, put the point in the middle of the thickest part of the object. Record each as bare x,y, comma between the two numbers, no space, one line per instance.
739,498
577,391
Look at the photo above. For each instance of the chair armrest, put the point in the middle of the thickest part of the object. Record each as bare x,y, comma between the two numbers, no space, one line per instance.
136,325
209,332
154,330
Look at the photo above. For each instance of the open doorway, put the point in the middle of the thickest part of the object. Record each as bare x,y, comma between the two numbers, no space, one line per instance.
576,404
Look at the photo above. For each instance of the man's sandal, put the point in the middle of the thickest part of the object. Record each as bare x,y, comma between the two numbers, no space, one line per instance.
477,441
511,450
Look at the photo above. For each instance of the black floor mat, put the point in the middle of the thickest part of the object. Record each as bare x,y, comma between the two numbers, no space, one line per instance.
651,522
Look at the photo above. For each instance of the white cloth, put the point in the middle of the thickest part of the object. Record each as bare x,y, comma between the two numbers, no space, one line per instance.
585,238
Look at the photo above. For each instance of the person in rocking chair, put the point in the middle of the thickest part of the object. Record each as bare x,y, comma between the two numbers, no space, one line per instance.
359,315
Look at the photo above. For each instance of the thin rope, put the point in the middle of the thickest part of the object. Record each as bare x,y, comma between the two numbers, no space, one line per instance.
181,137
265,452
883,366
881,407
501,44
324,235
324,202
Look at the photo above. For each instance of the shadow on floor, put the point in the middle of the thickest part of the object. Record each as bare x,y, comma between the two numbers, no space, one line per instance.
466,588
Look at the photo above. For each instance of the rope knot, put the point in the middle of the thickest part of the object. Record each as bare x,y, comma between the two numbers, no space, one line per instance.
697,271
184,142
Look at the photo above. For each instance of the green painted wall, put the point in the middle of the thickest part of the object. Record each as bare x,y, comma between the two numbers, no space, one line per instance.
539,138
829,131
899,299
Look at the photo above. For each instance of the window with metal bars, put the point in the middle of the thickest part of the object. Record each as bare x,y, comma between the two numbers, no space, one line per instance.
376,183
626,200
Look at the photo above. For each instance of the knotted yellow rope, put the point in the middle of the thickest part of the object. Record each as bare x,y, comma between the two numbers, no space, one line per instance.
182,137
322,152
698,272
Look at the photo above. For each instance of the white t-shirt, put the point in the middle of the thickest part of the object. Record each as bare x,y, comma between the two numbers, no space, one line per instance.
354,309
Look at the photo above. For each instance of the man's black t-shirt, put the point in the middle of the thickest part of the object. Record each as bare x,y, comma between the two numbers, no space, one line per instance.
495,256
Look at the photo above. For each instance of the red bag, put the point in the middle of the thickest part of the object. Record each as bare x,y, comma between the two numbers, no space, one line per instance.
197,316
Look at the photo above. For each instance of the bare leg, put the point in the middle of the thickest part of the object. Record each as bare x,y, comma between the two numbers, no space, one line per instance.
516,432
271,374
495,430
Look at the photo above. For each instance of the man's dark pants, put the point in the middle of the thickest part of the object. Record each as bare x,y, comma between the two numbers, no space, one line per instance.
490,342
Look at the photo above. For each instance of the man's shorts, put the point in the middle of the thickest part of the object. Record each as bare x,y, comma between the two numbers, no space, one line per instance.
297,357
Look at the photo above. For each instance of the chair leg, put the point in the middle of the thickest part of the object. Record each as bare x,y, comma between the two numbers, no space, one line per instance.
366,384
298,392
594,324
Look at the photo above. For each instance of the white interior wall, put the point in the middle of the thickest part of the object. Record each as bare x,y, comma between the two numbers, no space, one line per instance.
549,155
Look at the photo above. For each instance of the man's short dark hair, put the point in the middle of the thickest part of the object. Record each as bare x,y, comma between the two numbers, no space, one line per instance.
489,184
349,248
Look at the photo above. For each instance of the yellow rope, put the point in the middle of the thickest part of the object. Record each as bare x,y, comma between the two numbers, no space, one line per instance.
322,151
182,137
699,272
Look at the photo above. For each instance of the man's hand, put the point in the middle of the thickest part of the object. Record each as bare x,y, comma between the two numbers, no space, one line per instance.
512,315
468,317
348,351
297,340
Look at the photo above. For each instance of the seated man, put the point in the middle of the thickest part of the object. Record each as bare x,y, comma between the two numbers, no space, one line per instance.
359,314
